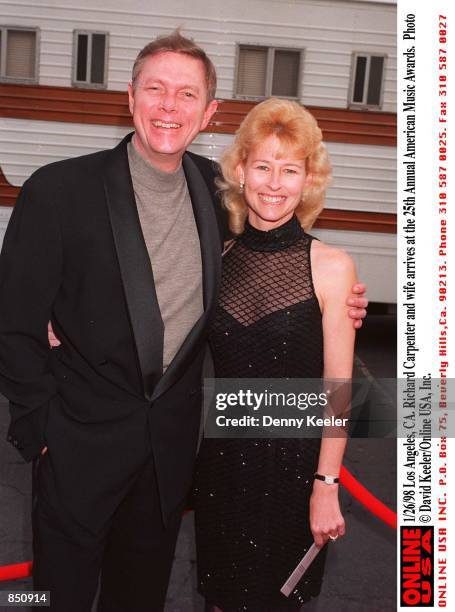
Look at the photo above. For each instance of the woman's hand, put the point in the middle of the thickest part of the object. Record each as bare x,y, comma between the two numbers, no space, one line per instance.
325,515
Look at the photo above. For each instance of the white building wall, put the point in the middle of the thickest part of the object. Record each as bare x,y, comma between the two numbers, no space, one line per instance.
364,179
374,255
26,145
329,32
364,176
5,213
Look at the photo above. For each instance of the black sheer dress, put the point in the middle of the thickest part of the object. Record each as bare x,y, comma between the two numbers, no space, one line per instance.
251,497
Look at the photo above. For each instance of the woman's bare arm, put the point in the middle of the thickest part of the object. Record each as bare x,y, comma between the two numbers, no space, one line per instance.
333,276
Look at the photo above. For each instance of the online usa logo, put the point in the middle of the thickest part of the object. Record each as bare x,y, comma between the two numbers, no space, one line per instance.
417,566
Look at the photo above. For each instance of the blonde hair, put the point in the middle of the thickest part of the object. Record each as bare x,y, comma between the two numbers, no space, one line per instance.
297,130
176,43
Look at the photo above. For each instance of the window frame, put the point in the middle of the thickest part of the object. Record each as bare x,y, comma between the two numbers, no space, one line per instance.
364,105
4,49
268,72
88,84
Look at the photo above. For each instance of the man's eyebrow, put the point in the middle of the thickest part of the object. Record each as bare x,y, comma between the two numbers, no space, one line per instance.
193,87
161,82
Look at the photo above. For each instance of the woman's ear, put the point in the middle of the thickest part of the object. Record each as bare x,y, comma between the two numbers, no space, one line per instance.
308,180
240,173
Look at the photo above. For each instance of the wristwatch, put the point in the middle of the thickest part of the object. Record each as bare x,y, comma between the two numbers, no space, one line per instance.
327,479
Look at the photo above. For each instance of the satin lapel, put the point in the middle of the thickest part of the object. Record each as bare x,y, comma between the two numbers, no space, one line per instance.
211,249
135,267
207,227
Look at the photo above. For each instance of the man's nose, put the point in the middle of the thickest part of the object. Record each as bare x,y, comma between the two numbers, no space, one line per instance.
168,102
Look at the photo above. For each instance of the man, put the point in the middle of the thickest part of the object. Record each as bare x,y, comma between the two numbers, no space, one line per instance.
111,416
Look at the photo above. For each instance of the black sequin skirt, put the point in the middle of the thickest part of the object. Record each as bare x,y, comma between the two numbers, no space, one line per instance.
251,501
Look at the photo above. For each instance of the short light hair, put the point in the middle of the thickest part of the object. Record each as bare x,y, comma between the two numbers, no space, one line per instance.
299,134
176,43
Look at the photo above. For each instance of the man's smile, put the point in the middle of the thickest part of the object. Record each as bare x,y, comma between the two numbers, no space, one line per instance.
166,124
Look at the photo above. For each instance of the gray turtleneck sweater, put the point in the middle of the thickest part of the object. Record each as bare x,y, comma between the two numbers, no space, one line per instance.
170,234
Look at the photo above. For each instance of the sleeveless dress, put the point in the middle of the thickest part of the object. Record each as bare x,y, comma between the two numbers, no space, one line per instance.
251,497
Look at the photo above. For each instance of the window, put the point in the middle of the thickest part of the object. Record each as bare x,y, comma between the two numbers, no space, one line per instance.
267,71
90,59
367,80
19,54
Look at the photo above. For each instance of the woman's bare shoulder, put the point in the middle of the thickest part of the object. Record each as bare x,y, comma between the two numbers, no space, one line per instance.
333,272
327,259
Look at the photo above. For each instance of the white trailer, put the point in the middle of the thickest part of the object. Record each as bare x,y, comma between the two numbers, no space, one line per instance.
64,64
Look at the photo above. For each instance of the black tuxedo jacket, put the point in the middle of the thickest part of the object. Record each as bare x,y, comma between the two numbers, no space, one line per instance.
74,254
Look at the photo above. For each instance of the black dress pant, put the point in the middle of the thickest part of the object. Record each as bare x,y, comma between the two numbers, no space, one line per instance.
131,559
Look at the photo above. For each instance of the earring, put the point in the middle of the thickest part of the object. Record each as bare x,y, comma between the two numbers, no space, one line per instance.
241,185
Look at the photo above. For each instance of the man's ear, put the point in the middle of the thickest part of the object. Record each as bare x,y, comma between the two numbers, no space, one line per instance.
209,112
131,97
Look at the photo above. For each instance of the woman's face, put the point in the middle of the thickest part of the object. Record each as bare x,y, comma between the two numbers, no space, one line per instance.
273,185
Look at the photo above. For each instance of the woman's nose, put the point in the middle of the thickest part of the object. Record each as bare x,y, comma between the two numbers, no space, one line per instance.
274,181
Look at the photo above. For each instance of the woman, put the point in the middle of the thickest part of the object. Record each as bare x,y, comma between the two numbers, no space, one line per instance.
281,313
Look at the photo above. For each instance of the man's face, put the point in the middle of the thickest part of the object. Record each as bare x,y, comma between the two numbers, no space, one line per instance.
169,107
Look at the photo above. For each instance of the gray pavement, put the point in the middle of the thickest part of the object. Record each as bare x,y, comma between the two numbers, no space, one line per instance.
361,568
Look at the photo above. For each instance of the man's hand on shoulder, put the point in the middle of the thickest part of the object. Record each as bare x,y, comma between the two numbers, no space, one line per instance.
358,304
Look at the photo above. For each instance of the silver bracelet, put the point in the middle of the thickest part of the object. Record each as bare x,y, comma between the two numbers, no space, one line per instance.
330,480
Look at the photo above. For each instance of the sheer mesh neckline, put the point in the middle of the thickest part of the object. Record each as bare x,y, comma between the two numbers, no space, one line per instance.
266,272
276,239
